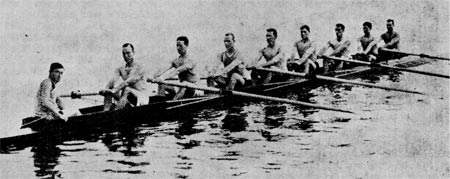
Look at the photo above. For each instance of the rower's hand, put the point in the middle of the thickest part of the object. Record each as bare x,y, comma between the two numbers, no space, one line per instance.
157,80
62,116
105,92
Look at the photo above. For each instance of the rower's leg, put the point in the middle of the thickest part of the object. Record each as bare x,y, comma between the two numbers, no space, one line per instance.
161,90
372,58
108,100
123,101
339,65
255,77
305,66
210,82
108,103
221,82
268,78
235,78
326,66
180,94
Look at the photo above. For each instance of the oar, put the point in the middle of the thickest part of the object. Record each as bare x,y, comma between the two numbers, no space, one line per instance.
387,66
414,54
176,79
327,78
77,94
249,95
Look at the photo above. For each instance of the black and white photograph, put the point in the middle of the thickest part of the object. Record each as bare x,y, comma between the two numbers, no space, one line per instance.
226,89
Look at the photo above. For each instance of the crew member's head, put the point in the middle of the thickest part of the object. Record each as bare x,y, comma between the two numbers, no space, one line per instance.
271,36
367,26
390,25
304,31
55,72
182,44
128,52
229,41
340,28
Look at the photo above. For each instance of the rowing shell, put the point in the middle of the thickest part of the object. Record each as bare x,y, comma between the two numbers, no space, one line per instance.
158,109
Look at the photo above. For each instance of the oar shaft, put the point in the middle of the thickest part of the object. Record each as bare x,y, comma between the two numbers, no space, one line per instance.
74,95
327,78
415,54
389,67
249,95
175,79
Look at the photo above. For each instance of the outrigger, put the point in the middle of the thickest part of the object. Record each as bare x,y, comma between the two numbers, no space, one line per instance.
161,108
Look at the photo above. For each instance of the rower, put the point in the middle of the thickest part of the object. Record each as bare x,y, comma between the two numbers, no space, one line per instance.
340,47
228,72
306,51
184,67
128,86
391,41
48,105
274,59
391,38
365,52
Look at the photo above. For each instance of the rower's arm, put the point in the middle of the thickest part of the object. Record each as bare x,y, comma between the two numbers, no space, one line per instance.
324,49
217,66
136,74
371,45
293,52
277,58
257,59
113,80
341,48
359,48
60,104
232,65
308,52
394,40
171,72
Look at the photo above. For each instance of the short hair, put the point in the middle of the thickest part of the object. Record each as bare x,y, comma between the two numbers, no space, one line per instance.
184,39
55,66
231,34
390,20
274,31
340,26
368,24
128,44
305,27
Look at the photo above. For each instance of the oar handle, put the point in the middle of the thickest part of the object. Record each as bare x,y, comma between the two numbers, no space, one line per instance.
77,94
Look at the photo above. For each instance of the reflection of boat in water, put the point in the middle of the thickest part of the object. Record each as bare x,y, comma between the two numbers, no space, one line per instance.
94,119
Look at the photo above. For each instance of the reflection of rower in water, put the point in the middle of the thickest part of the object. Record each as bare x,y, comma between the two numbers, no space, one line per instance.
274,59
48,105
340,47
128,84
306,51
229,69
184,67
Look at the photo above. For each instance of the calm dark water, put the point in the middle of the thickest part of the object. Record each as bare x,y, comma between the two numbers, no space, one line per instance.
391,136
